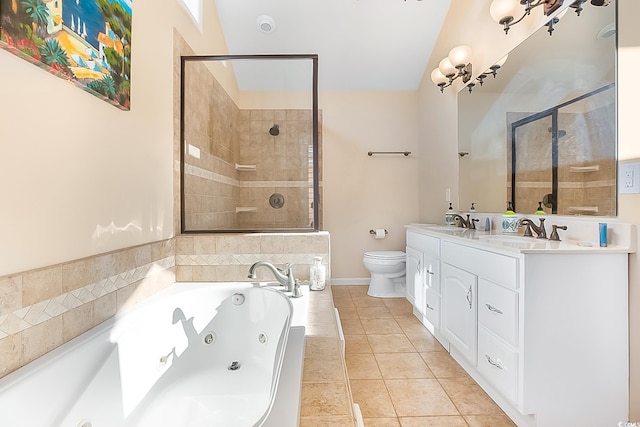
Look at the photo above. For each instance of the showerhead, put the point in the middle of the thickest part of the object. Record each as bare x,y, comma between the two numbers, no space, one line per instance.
275,130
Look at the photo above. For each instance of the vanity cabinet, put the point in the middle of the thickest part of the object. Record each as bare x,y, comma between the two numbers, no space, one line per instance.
543,332
423,278
459,311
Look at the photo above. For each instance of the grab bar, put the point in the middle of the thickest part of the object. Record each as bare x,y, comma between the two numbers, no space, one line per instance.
406,153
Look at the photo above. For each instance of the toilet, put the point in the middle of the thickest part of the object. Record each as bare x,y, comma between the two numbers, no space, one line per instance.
388,273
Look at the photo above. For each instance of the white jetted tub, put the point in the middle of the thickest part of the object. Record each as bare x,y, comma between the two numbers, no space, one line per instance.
214,354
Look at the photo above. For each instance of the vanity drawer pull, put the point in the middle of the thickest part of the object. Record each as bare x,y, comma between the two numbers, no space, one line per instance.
495,310
469,297
430,272
497,364
429,307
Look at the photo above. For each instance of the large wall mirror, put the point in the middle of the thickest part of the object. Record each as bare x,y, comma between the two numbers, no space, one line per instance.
544,129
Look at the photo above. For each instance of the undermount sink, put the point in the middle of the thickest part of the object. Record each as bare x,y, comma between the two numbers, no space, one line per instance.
450,228
519,242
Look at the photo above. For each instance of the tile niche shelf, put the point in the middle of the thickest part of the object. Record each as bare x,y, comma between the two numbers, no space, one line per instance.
240,167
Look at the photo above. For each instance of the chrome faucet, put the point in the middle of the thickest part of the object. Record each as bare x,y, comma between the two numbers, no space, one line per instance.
541,232
284,277
469,223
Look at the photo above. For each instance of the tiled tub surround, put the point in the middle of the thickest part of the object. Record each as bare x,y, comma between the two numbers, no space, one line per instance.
237,165
44,308
227,257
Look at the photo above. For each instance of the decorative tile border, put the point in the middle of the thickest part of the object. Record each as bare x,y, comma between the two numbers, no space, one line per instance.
245,259
26,317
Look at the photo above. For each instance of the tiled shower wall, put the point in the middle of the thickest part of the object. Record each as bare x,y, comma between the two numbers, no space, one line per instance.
219,195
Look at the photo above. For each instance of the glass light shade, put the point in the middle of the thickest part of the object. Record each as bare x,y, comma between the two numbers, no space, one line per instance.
446,68
503,9
437,77
459,56
501,62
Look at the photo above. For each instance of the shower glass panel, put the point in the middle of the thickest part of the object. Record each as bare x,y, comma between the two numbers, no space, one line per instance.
250,139
534,165
566,157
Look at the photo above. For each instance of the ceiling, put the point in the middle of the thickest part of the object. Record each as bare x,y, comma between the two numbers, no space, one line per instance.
361,44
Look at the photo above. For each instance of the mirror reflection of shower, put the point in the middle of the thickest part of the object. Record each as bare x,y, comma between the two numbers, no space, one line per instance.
250,129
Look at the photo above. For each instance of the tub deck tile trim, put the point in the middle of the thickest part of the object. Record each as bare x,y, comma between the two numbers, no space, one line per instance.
42,311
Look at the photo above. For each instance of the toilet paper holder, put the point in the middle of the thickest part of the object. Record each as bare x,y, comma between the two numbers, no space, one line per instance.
374,231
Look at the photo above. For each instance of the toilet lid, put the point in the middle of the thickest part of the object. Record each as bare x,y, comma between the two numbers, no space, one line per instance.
391,255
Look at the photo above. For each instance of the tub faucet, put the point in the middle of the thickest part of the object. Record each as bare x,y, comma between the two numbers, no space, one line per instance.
541,232
284,277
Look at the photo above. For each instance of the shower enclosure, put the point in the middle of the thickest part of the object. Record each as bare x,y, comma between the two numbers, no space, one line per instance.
250,144
565,157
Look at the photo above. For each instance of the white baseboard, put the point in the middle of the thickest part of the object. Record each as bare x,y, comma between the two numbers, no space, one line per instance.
351,281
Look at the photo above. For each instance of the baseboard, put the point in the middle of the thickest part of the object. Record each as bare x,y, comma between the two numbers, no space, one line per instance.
351,281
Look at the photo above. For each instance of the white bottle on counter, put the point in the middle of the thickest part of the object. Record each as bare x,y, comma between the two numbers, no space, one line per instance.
317,275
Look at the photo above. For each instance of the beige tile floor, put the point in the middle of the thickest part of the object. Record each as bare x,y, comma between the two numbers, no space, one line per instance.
399,373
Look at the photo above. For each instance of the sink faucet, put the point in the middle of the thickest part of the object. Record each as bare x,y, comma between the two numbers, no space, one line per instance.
541,232
284,277
465,223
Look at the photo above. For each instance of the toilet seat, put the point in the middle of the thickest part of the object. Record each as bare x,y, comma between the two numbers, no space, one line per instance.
385,255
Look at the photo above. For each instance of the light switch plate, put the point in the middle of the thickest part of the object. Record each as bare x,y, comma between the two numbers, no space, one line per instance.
629,178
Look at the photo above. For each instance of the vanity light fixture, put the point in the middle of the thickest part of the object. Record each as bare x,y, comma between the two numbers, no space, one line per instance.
456,65
505,11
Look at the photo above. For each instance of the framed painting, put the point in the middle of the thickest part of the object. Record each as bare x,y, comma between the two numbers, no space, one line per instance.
87,42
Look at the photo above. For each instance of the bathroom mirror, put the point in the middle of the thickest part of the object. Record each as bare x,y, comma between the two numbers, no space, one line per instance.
250,139
565,73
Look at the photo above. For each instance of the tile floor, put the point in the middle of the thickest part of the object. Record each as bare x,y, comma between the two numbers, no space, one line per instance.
399,373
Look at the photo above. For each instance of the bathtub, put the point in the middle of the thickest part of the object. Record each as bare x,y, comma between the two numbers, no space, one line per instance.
216,354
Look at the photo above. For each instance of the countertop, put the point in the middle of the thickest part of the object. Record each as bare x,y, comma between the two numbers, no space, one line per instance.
516,243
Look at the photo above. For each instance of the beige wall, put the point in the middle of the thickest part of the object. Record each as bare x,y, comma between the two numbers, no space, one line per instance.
81,177
362,192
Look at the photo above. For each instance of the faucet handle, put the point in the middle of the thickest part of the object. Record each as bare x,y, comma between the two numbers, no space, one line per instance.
554,234
527,223
472,223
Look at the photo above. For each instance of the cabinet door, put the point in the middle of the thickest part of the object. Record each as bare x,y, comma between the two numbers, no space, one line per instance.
414,277
459,310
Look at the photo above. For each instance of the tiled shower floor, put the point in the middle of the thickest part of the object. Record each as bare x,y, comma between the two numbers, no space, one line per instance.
399,373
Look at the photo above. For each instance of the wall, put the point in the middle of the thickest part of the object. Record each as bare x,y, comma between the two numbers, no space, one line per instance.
361,192
629,149
469,23
89,221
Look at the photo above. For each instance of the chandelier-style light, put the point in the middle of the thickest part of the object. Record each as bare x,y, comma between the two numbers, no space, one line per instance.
456,65
504,12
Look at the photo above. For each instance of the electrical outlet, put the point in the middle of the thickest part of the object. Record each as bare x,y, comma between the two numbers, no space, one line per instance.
629,178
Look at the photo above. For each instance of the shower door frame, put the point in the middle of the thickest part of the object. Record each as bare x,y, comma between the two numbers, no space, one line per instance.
316,175
553,112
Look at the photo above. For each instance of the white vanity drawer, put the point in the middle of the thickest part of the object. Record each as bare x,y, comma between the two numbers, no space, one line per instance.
498,363
498,268
423,243
432,272
432,307
498,310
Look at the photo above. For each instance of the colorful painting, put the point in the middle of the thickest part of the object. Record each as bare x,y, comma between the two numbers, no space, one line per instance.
87,42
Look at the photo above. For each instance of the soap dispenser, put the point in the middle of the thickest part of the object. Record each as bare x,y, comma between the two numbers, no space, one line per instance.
540,210
472,209
450,216
510,220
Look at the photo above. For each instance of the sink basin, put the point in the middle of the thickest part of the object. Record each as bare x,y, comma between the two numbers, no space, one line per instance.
519,242
448,228
507,239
